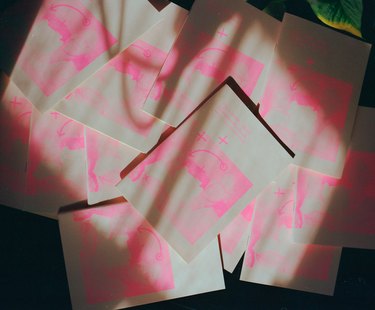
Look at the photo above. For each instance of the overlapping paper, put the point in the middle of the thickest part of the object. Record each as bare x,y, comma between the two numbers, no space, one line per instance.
218,40
341,211
196,181
273,258
71,39
115,259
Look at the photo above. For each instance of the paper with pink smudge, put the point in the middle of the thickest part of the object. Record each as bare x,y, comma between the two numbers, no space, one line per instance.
56,170
272,258
15,114
115,259
220,39
71,39
233,239
106,158
110,101
312,92
341,211
196,181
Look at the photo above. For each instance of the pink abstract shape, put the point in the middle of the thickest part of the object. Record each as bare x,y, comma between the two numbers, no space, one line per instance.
326,98
82,39
139,262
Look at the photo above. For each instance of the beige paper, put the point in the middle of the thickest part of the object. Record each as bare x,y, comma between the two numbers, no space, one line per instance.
341,211
220,39
312,92
201,177
56,170
115,259
15,114
105,158
110,101
71,39
272,258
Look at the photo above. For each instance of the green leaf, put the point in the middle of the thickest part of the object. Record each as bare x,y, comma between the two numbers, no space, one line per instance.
340,14
276,8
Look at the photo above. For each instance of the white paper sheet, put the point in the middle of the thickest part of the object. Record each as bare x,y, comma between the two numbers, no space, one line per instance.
312,92
115,259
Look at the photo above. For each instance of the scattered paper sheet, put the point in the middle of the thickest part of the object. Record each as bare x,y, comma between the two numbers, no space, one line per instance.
312,92
201,177
272,258
15,114
71,39
234,238
110,101
220,39
106,158
341,211
115,259
56,171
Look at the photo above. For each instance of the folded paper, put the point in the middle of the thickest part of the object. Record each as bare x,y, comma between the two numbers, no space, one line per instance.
115,259
220,39
341,211
312,92
110,101
196,181
272,258
71,39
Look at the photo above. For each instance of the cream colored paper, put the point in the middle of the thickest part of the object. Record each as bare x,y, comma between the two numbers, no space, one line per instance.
272,258
56,170
234,237
220,38
115,259
110,101
201,177
312,92
71,39
341,211
15,114
105,158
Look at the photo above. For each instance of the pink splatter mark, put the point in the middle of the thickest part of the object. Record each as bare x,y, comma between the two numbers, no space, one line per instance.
324,98
82,39
216,184
138,263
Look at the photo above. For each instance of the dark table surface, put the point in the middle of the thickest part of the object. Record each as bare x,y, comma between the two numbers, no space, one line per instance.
32,271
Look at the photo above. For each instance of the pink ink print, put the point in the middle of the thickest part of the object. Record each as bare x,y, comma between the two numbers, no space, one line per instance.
223,140
215,181
352,197
321,99
202,136
221,33
138,264
79,39
129,78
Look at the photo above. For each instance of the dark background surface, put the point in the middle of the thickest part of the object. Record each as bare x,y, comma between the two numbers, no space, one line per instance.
32,271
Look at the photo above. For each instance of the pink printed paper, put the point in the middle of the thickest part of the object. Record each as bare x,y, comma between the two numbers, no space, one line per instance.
272,258
118,260
113,96
106,158
233,239
312,93
15,114
194,183
219,39
341,211
71,39
56,163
